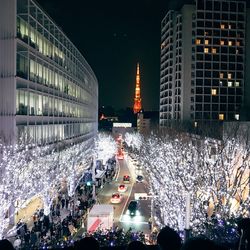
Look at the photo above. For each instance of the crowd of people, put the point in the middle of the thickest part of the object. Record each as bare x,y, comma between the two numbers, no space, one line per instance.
167,239
66,218
65,221
63,228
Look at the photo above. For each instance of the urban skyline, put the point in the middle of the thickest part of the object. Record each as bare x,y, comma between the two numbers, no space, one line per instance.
113,37
69,179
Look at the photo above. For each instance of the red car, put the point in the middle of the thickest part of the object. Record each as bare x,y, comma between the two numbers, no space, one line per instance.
122,188
126,179
116,198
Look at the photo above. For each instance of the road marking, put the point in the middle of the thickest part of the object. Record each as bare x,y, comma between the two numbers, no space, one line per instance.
118,172
134,222
128,196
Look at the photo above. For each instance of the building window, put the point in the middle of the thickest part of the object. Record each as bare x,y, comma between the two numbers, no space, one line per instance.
237,84
214,51
229,26
221,75
229,76
195,124
221,117
237,117
222,42
229,84
237,43
206,42
214,91
230,43
222,26
206,50
198,41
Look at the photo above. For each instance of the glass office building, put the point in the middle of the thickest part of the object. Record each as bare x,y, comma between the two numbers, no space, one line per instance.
49,93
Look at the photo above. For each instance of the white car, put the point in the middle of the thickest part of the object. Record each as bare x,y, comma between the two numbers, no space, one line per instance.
122,188
116,198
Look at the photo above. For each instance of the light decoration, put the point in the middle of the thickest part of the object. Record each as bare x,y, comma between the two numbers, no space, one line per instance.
133,140
105,147
214,173
28,170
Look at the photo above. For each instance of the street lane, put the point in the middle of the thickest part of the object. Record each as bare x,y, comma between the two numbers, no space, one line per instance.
137,223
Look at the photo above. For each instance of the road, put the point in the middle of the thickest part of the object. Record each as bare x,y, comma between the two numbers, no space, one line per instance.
138,223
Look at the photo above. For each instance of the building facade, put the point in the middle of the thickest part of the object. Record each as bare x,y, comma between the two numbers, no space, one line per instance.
49,93
203,62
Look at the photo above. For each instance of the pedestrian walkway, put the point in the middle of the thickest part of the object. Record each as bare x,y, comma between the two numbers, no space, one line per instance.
26,214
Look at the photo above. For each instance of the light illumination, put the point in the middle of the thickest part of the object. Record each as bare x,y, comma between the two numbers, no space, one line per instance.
221,117
214,173
213,91
29,170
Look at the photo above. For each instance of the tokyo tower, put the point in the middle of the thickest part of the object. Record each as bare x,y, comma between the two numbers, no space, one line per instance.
137,99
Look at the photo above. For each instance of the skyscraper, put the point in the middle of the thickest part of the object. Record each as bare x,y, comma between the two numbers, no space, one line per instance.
203,62
137,100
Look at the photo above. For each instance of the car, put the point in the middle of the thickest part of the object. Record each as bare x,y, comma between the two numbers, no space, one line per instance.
122,188
126,179
116,198
133,208
139,178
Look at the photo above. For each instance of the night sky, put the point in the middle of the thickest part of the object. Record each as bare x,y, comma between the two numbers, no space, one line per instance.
114,35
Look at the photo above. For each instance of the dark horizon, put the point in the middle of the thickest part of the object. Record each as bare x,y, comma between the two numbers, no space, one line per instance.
113,37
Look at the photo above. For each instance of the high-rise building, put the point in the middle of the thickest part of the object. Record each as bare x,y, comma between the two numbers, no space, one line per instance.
48,92
203,62
137,100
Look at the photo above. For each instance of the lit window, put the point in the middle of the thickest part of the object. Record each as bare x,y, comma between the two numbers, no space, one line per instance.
214,91
221,83
222,42
229,26
206,42
230,43
238,43
221,117
214,51
221,75
222,26
229,76
206,50
237,84
237,52
229,84
195,124
198,41
237,117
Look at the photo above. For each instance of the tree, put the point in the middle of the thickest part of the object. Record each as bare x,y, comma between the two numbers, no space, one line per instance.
214,172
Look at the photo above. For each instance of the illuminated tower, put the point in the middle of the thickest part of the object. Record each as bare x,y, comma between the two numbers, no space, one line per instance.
137,99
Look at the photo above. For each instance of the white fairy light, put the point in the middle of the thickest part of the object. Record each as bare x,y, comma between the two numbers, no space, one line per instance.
215,173
29,170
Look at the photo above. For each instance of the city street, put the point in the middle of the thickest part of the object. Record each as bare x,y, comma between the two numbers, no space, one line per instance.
140,222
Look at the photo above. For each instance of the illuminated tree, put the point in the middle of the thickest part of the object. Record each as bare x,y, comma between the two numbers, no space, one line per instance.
29,170
215,174
105,147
